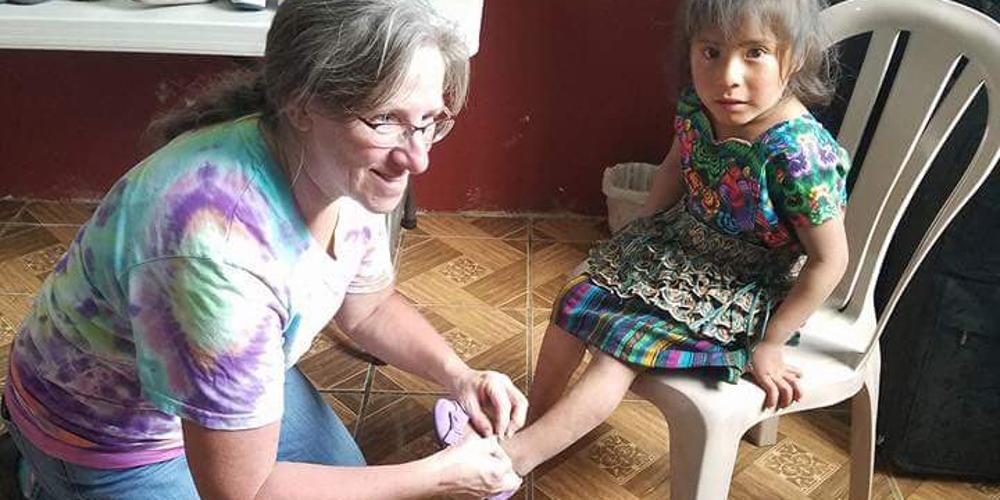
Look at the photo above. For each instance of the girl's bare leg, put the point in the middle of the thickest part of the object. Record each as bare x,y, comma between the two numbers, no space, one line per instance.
590,402
558,358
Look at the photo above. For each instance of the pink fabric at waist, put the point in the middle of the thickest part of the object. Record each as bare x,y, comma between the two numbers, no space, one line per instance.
76,455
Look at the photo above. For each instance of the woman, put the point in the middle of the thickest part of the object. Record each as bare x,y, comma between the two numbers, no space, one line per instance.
158,360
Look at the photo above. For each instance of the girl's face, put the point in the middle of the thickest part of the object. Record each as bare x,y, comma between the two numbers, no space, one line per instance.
342,158
740,81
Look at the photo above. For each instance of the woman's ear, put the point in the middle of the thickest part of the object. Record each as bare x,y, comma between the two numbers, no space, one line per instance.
299,116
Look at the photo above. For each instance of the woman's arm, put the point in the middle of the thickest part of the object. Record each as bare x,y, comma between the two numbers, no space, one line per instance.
667,188
826,250
241,465
386,325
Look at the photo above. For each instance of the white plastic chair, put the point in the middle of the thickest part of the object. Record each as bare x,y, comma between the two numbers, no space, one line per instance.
839,352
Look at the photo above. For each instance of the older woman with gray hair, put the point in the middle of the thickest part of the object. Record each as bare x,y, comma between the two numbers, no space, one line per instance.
159,358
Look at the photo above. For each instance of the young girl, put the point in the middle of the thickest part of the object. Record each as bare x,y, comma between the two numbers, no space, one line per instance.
741,238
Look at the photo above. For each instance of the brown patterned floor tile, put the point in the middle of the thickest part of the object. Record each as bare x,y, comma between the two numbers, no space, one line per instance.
552,265
991,490
57,212
569,228
422,255
577,476
28,255
653,481
490,253
472,226
347,406
822,433
9,209
397,430
749,453
626,457
757,483
619,457
333,362
485,338
384,384
795,464
838,486
13,310
503,288
904,485
476,272
411,239
944,489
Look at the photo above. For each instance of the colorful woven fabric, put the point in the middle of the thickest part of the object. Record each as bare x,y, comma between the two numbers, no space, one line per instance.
702,278
632,331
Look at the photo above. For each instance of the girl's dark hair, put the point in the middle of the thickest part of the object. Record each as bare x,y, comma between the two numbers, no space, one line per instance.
345,54
801,37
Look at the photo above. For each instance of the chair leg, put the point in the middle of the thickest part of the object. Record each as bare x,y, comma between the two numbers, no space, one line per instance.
764,433
864,407
701,463
409,220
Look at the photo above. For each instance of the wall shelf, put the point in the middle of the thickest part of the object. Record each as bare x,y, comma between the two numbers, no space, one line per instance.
214,28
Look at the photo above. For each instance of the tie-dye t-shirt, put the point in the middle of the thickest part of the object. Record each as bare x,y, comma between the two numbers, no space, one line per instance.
188,294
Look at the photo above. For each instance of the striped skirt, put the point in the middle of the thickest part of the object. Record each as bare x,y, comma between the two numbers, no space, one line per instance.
639,334
671,292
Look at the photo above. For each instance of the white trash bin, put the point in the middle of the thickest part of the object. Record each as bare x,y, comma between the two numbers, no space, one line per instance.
625,187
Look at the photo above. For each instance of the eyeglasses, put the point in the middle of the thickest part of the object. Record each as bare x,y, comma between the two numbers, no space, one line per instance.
393,134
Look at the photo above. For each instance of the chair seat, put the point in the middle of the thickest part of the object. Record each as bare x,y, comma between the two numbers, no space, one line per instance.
827,353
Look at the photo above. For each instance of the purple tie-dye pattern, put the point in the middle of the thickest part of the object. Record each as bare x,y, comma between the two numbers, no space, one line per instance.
362,236
60,266
209,193
111,202
88,308
88,258
134,310
95,349
221,383
73,372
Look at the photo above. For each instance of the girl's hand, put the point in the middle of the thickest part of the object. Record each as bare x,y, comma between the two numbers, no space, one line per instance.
779,381
480,392
475,468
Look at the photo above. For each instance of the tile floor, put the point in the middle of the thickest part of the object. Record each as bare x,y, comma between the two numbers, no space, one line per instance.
487,283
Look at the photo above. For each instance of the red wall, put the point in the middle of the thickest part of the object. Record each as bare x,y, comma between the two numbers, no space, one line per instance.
560,89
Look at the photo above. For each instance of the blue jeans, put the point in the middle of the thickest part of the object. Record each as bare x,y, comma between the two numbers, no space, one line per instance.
310,432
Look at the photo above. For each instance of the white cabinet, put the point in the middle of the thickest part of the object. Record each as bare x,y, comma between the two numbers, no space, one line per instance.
129,26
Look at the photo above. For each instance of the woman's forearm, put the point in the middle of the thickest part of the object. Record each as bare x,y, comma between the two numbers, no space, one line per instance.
399,335
300,481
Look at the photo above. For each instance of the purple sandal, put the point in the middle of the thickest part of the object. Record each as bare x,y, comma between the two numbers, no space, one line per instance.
450,421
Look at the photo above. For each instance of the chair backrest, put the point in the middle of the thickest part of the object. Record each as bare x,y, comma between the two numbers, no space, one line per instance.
917,119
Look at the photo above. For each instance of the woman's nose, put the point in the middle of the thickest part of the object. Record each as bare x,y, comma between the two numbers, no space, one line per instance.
413,155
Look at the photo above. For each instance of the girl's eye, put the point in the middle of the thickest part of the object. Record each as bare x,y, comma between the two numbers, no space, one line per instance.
756,52
710,52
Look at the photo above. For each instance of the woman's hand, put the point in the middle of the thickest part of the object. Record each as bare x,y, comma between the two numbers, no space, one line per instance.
493,403
477,467
779,381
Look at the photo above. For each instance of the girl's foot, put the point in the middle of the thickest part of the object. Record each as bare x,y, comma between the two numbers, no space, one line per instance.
451,425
